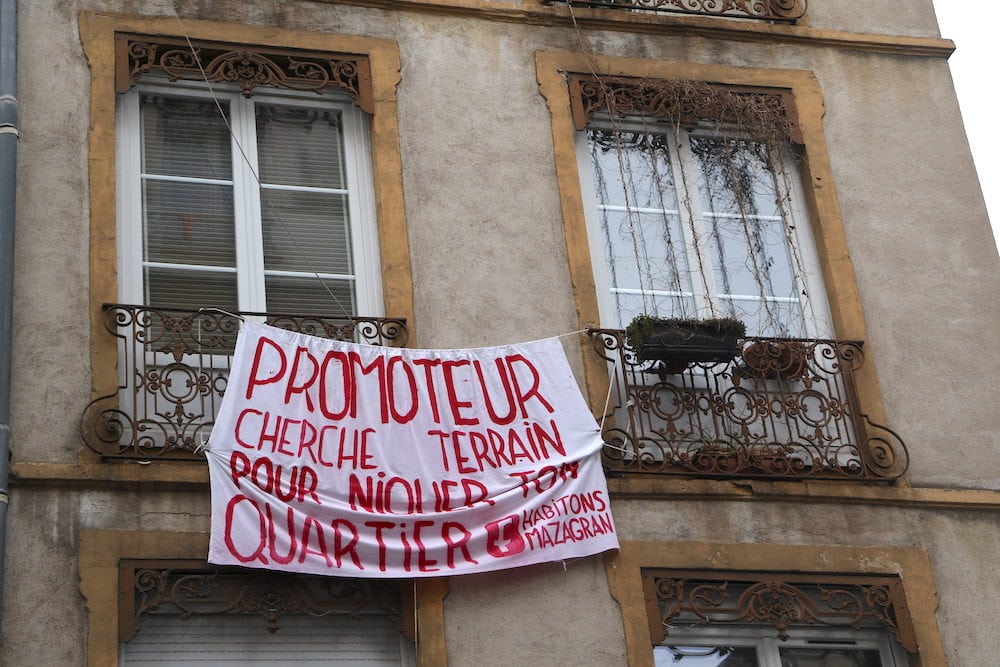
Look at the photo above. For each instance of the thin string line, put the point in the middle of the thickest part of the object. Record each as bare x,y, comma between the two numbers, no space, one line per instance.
223,311
606,413
249,165
523,342
591,60
611,385
416,622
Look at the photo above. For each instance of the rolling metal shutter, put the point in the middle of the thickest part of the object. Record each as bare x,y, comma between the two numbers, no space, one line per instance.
168,640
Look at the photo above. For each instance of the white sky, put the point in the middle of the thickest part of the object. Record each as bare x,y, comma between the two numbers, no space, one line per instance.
972,25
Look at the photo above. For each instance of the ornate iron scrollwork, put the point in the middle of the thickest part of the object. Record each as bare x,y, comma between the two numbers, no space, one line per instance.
782,11
782,408
780,600
190,591
173,371
682,101
245,66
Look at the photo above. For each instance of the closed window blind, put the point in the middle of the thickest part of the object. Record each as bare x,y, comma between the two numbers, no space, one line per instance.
167,640
189,244
304,210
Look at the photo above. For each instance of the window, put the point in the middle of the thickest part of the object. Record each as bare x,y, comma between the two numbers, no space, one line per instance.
260,203
694,222
691,191
795,596
190,613
187,214
172,640
235,204
151,583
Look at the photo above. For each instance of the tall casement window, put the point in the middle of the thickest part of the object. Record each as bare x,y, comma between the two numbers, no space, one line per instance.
181,613
244,198
715,348
244,188
694,208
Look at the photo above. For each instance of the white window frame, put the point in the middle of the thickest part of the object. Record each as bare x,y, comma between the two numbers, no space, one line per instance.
815,305
765,640
247,215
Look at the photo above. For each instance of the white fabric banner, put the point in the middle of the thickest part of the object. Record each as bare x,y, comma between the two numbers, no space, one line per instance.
362,461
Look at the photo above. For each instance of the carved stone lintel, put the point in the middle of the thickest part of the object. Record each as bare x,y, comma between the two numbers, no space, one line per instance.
245,66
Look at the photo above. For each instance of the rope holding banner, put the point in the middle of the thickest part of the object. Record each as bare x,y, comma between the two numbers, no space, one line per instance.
607,399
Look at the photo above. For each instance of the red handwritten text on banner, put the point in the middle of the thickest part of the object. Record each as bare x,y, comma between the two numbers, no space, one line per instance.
334,458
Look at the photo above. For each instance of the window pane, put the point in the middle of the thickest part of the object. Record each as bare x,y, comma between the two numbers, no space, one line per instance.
647,266
632,168
306,231
751,257
781,319
645,247
190,290
705,656
300,146
736,176
752,264
189,223
310,296
186,222
184,137
646,251
829,657
753,271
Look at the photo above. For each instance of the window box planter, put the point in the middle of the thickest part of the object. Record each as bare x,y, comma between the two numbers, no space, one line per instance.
677,342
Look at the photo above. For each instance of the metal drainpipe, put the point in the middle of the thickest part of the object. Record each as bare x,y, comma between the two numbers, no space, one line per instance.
8,181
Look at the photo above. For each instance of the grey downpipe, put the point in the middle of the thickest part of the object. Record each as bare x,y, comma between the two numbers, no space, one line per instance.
8,182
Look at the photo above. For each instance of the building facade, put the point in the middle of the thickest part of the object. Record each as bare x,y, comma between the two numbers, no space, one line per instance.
468,173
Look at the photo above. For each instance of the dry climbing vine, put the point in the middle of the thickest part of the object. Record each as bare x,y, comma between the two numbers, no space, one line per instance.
747,130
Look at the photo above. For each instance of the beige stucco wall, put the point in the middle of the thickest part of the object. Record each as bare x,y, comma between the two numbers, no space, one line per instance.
489,264
878,16
45,615
50,376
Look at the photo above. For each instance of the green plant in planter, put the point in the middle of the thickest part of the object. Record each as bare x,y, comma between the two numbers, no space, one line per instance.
679,341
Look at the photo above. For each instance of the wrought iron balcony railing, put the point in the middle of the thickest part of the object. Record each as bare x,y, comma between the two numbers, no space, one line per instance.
784,11
782,408
172,370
